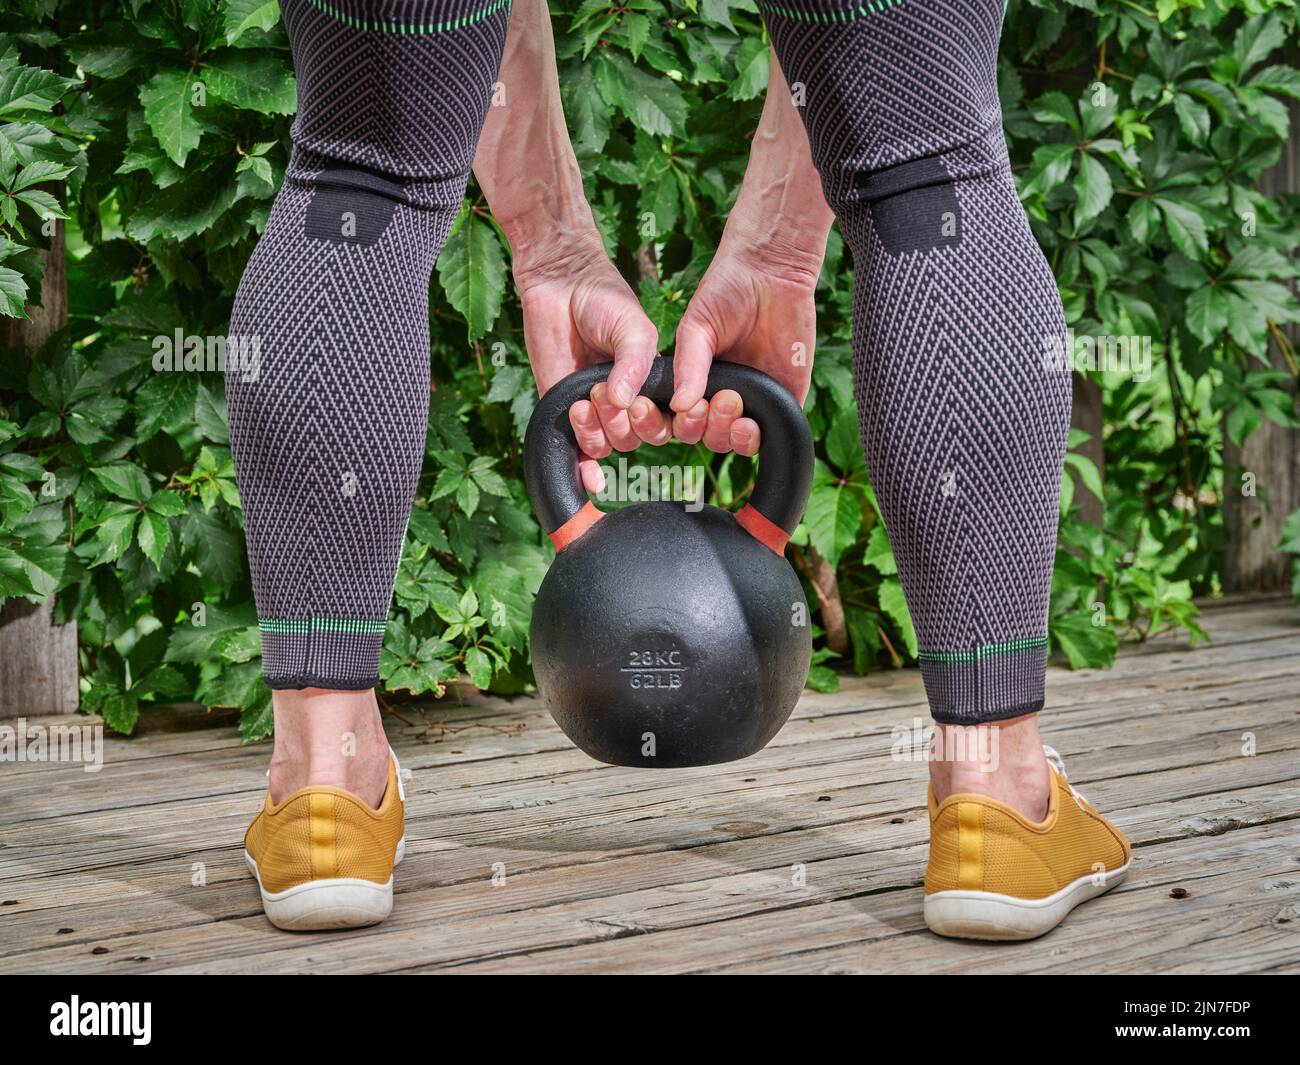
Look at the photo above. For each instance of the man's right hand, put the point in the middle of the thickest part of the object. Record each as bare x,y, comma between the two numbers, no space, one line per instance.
579,311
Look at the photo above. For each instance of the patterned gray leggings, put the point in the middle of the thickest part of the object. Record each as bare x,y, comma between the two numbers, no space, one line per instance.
328,437
963,423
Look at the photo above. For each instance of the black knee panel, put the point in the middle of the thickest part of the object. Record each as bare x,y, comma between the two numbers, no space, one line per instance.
913,205
352,205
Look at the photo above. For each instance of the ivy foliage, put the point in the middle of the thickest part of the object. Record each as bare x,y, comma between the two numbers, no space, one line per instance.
159,130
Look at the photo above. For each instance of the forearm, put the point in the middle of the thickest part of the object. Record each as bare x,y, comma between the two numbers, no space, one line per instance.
525,162
780,214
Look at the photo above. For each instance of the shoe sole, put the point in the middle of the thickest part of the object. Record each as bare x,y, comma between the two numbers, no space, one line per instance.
318,905
988,915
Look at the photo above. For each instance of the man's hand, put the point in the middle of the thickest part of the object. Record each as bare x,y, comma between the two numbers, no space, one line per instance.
749,308
755,304
578,310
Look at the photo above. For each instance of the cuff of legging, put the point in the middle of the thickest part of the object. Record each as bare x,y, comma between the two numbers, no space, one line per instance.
991,682
409,18
337,654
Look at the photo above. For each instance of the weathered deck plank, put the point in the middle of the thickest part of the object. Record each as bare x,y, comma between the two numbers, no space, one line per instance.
613,870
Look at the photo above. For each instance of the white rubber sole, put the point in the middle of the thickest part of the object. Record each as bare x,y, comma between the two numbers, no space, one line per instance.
988,915
341,902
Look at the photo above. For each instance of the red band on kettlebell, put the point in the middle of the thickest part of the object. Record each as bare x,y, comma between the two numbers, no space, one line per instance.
766,532
576,525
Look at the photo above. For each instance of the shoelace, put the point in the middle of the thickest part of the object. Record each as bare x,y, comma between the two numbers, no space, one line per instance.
1055,760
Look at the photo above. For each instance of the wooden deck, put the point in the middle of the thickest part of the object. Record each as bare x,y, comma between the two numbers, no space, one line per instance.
805,858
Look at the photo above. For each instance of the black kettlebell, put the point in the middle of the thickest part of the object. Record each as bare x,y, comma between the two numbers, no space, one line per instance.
663,637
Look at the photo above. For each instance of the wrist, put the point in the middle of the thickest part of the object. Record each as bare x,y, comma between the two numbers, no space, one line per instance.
780,220
552,243
791,248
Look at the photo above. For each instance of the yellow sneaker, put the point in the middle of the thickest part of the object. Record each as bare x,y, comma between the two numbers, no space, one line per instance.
324,859
995,875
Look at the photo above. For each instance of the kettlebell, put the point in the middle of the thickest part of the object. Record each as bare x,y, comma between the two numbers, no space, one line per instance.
662,636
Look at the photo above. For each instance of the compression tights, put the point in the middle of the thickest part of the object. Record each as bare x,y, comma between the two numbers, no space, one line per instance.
328,435
964,419
963,423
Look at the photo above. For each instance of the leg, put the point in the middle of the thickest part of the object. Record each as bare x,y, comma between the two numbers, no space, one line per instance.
328,428
964,427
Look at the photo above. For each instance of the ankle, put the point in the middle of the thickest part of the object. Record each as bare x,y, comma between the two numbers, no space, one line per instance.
329,738
1002,761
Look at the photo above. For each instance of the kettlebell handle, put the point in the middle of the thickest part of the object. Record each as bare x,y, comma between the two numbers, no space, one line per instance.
785,451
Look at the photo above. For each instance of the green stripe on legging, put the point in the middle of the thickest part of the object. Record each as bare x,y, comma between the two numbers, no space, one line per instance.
983,651
409,28
301,627
871,7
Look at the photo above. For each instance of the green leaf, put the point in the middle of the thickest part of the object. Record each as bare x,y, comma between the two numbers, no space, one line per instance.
125,480
184,209
1290,542
655,105
1093,190
468,605
894,604
1085,645
192,643
1056,107
1256,40
216,550
13,293
1186,227
41,170
587,113
751,70
167,98
13,575
1207,313
487,479
1050,167
1281,79
108,52
239,16
479,667
823,679
638,32
880,553
844,442
1194,119
166,503
120,711
237,685
832,518
256,81
1243,419
30,89
257,722
505,589
113,533
153,536
472,268
1087,471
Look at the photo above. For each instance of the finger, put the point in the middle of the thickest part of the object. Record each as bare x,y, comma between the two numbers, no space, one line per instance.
724,409
593,477
615,422
745,437
691,360
636,343
649,422
689,427
587,429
